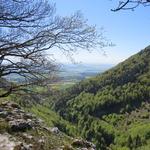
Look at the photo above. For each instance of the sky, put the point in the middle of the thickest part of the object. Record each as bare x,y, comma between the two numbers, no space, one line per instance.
128,30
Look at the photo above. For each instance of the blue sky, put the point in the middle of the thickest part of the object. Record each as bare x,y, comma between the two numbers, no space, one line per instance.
129,30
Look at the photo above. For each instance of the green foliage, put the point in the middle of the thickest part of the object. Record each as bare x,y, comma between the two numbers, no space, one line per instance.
112,109
52,119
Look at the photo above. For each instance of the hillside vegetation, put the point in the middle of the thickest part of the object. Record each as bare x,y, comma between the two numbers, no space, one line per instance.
112,109
21,130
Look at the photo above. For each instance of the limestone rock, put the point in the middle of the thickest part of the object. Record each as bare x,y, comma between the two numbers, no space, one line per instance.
55,130
20,125
6,143
85,145
4,114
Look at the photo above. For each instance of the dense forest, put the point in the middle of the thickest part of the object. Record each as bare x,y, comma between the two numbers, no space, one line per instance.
111,109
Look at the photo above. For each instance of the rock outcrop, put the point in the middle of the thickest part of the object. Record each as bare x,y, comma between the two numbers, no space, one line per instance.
84,145
21,125
17,119
18,122
6,143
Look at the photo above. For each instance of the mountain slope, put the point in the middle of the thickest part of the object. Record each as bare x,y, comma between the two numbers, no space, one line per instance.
20,130
112,107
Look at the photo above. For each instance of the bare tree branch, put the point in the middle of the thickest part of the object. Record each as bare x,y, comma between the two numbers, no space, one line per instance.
30,28
131,4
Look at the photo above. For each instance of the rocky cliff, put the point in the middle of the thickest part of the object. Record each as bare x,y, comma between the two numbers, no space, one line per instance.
20,130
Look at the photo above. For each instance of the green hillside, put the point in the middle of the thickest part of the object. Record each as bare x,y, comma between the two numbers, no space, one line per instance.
112,109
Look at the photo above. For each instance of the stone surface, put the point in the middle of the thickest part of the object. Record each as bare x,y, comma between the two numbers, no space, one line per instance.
19,121
19,125
84,145
4,114
55,130
6,143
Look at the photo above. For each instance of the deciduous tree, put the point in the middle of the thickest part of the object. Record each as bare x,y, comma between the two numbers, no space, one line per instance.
29,28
